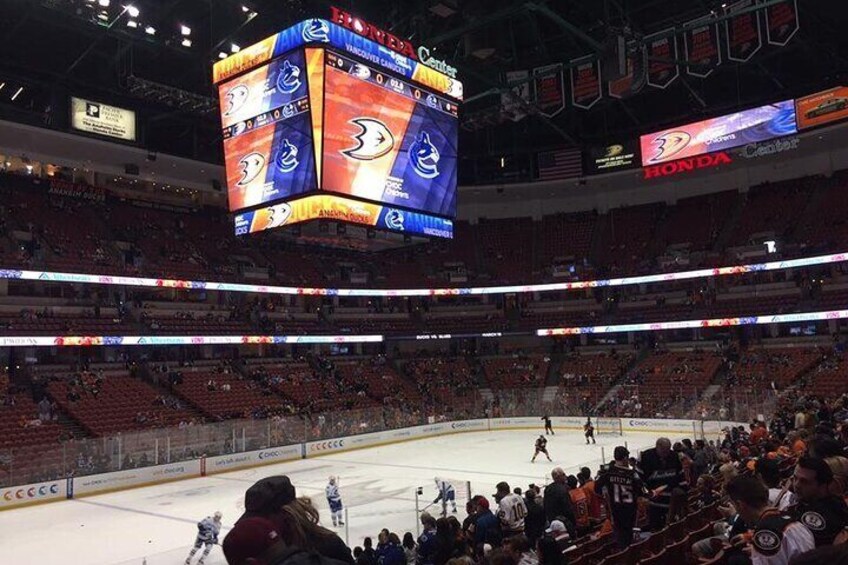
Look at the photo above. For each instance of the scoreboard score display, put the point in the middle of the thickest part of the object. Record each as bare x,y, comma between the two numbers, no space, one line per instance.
332,116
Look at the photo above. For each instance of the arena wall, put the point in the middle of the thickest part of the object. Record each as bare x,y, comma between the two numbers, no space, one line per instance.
74,487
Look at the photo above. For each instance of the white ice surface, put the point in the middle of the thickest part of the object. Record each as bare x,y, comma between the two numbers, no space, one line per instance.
158,523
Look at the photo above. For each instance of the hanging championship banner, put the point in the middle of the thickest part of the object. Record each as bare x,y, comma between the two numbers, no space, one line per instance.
514,102
550,90
585,81
742,32
634,77
662,56
781,22
700,42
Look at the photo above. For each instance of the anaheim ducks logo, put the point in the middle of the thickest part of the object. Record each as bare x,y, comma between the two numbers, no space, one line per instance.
279,215
670,144
373,141
251,165
614,150
286,158
424,156
766,541
236,97
288,80
813,520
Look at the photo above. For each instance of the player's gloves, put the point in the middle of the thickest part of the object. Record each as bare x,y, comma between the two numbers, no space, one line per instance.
435,501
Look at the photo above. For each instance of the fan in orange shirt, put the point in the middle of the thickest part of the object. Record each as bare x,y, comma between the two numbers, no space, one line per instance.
580,502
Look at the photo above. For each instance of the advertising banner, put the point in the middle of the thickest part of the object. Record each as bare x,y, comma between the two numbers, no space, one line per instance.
549,87
135,477
326,206
223,463
700,45
34,493
662,56
742,32
781,22
585,81
101,119
723,132
388,141
822,108
613,157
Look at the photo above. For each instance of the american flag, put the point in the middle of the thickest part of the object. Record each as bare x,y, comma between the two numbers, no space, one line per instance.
560,164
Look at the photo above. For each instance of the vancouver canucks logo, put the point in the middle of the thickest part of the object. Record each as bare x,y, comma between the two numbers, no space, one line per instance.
394,220
288,79
373,141
424,156
316,30
235,99
286,158
251,165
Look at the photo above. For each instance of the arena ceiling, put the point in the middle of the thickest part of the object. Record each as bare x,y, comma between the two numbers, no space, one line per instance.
55,48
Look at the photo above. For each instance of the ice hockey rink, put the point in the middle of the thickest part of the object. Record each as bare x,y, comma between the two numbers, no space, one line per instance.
157,525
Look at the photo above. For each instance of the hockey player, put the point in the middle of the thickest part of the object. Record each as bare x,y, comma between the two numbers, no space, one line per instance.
334,499
548,427
589,430
541,447
207,535
446,494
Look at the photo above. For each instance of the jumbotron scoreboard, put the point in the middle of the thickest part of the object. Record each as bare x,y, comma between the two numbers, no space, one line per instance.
339,120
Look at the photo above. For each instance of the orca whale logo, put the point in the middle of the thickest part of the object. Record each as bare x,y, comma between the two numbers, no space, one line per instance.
316,30
374,140
236,97
286,158
394,220
252,166
288,79
424,156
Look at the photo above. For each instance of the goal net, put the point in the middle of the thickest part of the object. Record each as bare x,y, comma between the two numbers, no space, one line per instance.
608,426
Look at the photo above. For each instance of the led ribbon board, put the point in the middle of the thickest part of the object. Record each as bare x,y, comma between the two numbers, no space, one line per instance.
52,276
322,32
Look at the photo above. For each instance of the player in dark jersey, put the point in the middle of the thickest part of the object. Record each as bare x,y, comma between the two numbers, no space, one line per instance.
589,430
548,426
621,487
541,447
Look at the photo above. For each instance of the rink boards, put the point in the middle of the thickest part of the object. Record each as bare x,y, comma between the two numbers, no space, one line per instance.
75,487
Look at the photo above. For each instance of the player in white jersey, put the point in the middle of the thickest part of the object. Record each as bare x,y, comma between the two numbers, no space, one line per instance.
511,510
207,535
446,495
334,499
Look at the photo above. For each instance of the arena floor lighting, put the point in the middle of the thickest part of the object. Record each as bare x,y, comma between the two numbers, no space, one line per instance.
120,280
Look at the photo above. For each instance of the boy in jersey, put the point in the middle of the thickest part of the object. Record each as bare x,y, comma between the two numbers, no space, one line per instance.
589,430
511,510
207,535
621,487
334,500
541,447
580,503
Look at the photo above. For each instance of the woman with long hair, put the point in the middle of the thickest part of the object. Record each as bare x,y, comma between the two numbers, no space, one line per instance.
301,529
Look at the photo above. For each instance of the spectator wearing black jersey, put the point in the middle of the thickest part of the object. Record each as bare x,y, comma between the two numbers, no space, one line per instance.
824,514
